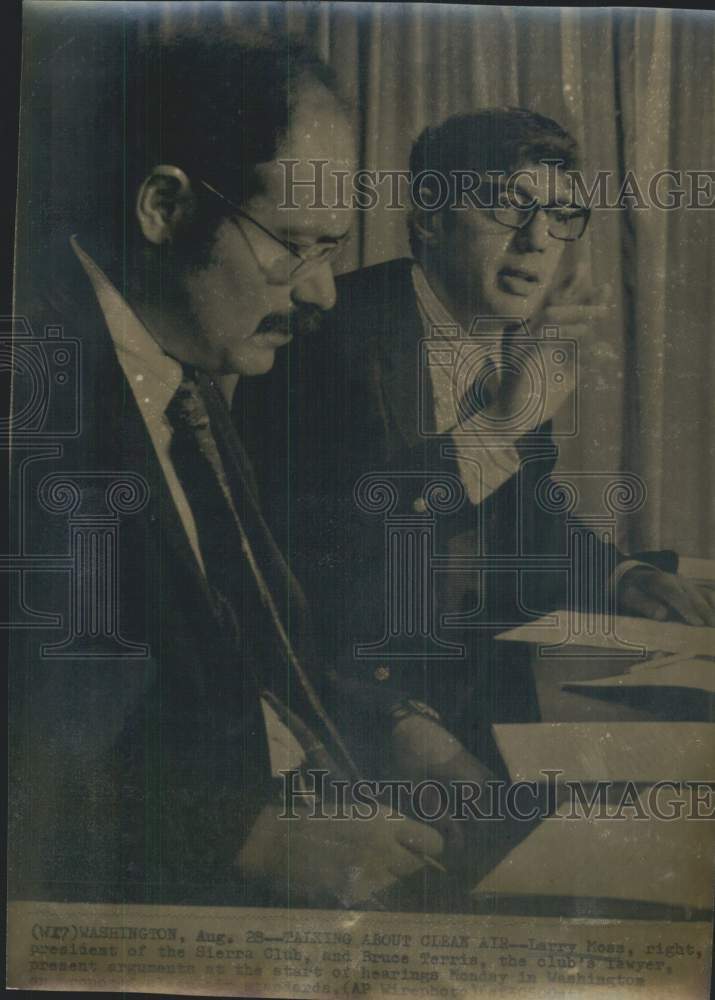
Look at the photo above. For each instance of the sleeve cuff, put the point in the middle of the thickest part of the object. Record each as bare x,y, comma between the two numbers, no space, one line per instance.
624,567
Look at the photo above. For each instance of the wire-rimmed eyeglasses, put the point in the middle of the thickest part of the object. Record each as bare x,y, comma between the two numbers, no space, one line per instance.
288,267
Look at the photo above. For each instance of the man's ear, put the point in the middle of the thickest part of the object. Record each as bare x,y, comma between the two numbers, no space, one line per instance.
163,202
427,224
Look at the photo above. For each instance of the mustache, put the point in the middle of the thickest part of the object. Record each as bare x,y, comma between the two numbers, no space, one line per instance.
304,319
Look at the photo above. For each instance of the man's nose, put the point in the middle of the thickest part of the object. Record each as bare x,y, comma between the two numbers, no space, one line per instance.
317,288
535,235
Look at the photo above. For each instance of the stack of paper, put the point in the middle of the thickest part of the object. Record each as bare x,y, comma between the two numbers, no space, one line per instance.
643,752
651,860
666,672
628,853
618,632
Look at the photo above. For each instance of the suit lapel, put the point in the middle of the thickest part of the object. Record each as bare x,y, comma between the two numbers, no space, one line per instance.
399,368
395,358
114,435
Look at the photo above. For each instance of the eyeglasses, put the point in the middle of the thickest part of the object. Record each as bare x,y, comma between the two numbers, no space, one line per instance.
288,267
565,223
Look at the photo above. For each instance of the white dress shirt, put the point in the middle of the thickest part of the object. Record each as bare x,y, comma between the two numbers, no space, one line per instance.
153,375
482,469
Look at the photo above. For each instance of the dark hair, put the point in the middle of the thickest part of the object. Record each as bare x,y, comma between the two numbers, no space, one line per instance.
213,103
216,104
493,139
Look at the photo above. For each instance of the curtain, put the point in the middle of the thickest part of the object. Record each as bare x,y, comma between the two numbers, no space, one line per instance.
637,88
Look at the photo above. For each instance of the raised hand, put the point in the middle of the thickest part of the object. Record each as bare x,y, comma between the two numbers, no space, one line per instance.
540,371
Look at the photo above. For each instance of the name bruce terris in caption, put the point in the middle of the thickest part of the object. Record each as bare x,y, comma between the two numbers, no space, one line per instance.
234,952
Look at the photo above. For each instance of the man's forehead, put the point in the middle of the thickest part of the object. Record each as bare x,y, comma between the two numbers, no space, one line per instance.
547,182
313,160
304,196
318,127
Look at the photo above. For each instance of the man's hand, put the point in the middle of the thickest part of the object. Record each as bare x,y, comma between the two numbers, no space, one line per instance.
651,593
422,747
350,860
424,750
576,308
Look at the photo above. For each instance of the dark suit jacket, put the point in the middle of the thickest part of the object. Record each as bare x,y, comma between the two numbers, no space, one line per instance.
134,778
345,403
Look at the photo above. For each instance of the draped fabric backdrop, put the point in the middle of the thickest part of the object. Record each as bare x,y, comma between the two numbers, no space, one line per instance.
637,86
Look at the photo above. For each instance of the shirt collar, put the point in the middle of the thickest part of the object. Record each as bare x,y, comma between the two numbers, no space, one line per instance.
154,375
433,311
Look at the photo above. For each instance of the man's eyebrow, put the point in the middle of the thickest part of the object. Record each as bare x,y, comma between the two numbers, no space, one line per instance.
567,202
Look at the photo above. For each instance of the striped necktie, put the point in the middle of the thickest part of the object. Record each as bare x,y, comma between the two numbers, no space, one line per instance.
247,574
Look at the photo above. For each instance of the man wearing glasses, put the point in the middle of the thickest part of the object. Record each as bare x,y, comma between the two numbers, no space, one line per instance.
445,362
514,256
157,756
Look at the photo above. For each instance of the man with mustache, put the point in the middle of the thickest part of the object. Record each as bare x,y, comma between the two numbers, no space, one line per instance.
156,777
496,252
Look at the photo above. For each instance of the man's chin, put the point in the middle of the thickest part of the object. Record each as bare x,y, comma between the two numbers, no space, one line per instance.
257,361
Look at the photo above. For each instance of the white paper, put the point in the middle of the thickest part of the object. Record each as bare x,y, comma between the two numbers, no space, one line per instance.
618,751
617,632
682,673
651,860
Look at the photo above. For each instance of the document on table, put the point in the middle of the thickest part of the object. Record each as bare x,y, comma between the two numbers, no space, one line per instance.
615,632
643,752
668,671
648,860
606,852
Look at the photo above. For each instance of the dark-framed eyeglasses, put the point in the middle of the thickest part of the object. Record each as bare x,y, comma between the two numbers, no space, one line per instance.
566,222
295,261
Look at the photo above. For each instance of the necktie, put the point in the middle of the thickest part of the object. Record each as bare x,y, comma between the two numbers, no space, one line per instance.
192,453
482,390
248,577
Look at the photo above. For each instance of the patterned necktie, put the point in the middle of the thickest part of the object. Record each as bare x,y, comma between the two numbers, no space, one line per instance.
250,581
194,456
481,392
